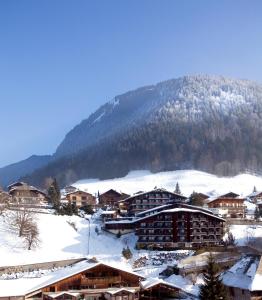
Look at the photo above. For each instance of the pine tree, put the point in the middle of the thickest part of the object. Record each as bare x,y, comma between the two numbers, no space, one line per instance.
257,214
54,194
213,288
195,199
254,189
177,190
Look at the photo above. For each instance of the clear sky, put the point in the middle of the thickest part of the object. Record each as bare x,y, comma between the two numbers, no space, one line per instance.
60,59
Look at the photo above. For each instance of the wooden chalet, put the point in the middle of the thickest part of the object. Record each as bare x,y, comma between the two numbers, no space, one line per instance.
92,282
148,200
231,207
255,197
111,198
154,288
81,198
23,194
70,189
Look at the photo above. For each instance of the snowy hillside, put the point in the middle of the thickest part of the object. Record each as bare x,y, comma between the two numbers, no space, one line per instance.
59,240
189,181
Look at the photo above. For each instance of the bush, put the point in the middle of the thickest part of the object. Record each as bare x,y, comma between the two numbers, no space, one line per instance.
126,252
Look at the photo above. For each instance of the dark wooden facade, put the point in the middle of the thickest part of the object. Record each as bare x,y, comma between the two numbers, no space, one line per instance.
111,198
179,228
148,200
229,207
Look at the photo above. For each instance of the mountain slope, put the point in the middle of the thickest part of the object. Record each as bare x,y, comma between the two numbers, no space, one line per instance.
209,123
14,171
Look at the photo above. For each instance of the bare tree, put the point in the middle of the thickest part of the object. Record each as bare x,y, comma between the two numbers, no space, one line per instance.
20,220
31,236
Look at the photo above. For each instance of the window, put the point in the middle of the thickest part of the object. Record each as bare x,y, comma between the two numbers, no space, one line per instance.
74,198
83,198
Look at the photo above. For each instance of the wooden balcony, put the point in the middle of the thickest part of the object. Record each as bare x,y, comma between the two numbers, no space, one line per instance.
100,281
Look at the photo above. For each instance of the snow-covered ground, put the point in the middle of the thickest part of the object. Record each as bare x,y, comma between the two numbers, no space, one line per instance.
59,240
245,233
189,181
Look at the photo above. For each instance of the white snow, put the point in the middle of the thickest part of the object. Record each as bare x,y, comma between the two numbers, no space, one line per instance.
59,240
245,233
189,181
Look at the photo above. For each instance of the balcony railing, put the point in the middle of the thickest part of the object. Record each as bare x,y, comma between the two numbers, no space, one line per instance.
100,280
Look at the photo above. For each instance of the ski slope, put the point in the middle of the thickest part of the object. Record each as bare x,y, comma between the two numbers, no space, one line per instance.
189,181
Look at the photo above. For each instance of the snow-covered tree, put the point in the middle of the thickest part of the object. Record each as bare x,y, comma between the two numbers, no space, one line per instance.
177,190
213,288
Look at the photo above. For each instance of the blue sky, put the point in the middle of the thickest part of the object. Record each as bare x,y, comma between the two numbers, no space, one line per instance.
60,59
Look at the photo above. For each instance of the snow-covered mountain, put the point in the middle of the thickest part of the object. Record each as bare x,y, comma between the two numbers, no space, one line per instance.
209,123
14,171
190,99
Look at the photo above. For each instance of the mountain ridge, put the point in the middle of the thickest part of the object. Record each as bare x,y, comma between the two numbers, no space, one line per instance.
207,123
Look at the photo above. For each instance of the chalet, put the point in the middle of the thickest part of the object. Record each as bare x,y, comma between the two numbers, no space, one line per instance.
24,194
232,207
108,214
70,189
243,280
148,200
81,198
179,228
229,195
111,198
92,281
255,197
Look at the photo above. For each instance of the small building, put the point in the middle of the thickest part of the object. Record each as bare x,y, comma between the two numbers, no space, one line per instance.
148,200
91,281
70,189
23,194
228,207
111,198
244,280
108,214
255,197
81,198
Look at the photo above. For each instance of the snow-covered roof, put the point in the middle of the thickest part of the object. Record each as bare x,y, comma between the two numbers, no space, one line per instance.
55,295
108,212
118,290
25,286
254,194
151,282
192,210
244,274
159,190
256,284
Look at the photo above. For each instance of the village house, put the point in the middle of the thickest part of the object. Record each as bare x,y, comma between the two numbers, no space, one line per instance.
70,189
81,198
111,198
228,206
148,200
23,194
93,281
255,197
244,279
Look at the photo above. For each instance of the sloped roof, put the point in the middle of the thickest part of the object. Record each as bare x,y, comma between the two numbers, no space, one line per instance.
160,190
152,282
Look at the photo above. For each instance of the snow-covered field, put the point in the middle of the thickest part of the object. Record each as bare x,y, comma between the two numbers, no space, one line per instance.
59,240
189,181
